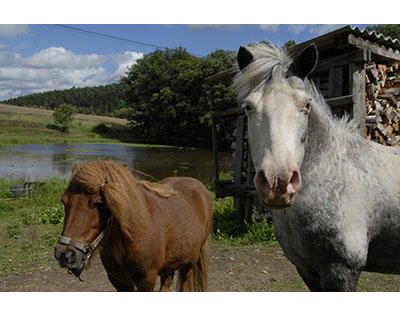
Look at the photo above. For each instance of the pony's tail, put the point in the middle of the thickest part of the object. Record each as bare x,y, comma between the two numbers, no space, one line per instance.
199,279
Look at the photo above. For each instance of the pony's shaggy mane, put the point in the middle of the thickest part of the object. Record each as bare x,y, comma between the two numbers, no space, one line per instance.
93,175
122,193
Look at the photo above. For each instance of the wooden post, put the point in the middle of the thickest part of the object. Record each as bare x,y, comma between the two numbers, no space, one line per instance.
238,164
249,181
214,137
357,88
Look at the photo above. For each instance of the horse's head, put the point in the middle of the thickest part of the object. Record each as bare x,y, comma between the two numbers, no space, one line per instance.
86,218
277,108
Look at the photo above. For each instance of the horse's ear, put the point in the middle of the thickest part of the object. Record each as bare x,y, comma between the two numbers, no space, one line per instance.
305,62
244,57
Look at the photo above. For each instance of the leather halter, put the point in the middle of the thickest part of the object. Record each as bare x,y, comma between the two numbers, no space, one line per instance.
86,248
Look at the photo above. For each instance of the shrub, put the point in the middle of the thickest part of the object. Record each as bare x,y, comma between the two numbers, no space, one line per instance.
63,116
53,215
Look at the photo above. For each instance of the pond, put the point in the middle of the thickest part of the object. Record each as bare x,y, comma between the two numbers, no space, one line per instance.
42,161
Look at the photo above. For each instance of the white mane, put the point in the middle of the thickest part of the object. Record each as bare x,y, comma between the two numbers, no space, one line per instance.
270,62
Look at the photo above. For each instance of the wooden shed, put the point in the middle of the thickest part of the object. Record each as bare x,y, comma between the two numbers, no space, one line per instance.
340,75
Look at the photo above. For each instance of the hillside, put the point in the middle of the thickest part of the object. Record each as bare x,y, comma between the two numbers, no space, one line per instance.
29,110
106,100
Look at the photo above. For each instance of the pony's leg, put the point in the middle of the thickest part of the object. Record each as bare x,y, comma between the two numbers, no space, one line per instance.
119,286
166,282
337,277
147,282
184,274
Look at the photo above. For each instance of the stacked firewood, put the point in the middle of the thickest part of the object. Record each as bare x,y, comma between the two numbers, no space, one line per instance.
383,103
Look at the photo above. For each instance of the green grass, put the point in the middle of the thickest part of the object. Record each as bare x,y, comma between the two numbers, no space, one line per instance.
18,129
228,226
29,227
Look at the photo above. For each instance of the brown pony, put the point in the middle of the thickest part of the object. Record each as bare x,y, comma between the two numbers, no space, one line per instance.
142,229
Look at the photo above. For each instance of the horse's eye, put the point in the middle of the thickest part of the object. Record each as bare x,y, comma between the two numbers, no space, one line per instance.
248,108
96,204
307,108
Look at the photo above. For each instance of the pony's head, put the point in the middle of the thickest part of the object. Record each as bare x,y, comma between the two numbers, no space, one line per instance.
98,195
271,88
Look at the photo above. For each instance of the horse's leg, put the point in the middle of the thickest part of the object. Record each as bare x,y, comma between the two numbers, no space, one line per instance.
184,274
311,279
119,286
337,277
166,282
147,282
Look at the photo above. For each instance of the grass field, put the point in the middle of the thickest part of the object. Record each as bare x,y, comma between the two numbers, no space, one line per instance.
20,126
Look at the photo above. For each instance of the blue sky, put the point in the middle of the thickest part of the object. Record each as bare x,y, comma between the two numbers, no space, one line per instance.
42,57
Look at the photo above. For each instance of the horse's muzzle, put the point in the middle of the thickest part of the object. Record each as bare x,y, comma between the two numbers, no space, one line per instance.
278,191
69,257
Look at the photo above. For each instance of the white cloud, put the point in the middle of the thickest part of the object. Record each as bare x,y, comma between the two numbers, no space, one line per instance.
296,28
230,27
123,62
224,27
269,27
324,28
12,30
58,68
59,57
318,29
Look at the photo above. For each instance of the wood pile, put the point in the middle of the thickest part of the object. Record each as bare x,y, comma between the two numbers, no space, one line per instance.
383,103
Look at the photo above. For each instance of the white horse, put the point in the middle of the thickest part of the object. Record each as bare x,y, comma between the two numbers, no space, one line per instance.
335,196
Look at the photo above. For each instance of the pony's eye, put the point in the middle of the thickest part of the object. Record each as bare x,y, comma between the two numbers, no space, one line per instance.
96,205
307,108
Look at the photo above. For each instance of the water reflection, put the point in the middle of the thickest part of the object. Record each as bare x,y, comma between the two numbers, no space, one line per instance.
41,161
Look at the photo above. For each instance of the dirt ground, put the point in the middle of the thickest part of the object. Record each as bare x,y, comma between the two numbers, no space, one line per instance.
262,268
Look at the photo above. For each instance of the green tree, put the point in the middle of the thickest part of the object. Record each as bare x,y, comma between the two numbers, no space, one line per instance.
169,98
63,116
392,30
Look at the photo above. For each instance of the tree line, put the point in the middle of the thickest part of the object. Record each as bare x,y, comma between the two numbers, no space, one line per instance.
100,100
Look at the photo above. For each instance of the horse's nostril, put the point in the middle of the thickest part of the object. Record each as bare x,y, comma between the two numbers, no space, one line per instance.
261,181
263,178
64,258
294,182
70,256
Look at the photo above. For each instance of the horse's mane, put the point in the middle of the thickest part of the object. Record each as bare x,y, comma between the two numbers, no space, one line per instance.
122,193
271,62
93,175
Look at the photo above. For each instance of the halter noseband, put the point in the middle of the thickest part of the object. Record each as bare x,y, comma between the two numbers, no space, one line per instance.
86,248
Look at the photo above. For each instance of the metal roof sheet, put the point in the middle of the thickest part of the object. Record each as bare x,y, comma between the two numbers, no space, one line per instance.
376,37
372,36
